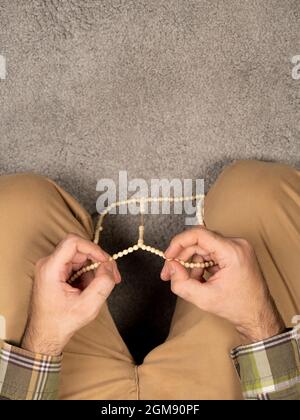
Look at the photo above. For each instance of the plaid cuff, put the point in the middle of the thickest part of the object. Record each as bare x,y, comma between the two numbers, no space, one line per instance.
270,370
27,376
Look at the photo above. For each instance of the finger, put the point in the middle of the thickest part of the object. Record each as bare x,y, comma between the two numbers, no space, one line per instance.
114,268
213,270
191,253
197,273
73,245
165,273
78,266
79,261
187,288
79,258
187,253
86,278
117,274
207,242
100,288
64,272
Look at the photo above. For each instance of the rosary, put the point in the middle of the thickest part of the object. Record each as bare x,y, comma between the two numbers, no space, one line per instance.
140,245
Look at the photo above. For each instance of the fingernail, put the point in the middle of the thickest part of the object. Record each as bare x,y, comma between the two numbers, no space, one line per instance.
117,275
172,270
164,272
167,250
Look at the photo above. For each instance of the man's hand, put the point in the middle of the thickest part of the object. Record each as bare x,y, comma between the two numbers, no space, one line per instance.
236,289
58,310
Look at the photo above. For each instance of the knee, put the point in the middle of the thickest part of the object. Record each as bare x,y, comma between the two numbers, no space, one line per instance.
257,181
249,192
24,192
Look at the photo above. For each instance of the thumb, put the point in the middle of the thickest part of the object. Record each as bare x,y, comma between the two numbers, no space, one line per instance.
189,289
101,287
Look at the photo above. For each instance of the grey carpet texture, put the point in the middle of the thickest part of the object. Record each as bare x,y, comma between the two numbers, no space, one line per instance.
160,88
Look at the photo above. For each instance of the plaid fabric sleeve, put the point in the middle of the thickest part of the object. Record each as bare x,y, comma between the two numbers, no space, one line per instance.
270,370
27,376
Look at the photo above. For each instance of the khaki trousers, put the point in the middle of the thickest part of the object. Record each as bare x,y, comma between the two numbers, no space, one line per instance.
255,200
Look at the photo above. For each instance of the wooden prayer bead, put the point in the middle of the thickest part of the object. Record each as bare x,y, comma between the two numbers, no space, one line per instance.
140,245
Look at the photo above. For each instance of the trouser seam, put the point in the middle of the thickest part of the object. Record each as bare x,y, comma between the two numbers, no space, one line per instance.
137,382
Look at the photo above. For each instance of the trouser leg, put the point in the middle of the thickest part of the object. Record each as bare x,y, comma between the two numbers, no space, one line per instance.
259,202
35,215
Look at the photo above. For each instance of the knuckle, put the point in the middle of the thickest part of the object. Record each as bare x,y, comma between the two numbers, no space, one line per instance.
40,266
40,263
70,238
246,247
244,243
174,241
244,250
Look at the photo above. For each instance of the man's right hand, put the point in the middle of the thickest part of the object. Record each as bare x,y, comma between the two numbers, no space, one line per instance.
57,309
236,290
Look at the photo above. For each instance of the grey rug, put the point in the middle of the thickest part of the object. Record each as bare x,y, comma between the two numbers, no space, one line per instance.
160,88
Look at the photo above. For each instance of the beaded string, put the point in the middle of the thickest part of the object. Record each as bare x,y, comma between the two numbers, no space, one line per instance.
140,245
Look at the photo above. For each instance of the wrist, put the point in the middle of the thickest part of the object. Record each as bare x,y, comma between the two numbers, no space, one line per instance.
37,341
254,335
269,324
